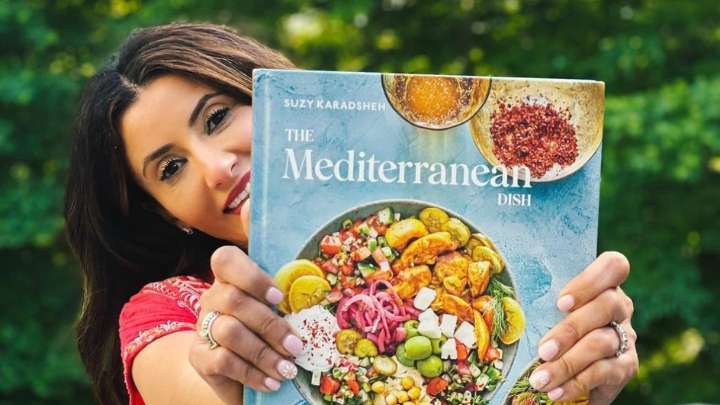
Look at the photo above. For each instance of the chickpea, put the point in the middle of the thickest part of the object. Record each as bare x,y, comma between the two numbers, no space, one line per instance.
378,387
402,396
414,393
408,403
407,382
391,399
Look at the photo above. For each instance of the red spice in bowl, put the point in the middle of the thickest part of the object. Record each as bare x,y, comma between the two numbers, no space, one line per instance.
534,135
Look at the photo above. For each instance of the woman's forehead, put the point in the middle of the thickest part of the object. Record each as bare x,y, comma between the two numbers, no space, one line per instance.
159,115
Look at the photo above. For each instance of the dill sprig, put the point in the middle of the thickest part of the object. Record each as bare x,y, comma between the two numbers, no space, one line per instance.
499,322
499,290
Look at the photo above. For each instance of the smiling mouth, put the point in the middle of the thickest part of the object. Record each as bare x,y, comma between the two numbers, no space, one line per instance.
241,194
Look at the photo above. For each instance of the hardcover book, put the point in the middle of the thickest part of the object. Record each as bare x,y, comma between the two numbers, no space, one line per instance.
421,227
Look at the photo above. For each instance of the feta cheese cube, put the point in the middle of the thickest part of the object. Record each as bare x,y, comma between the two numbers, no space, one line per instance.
428,314
465,334
449,350
429,328
315,380
424,298
447,324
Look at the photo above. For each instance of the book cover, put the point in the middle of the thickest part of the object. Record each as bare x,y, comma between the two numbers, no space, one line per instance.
421,227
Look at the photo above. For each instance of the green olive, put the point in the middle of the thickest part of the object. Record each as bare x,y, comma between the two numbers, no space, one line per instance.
430,367
458,230
418,348
437,344
384,365
346,340
402,357
433,218
411,328
366,348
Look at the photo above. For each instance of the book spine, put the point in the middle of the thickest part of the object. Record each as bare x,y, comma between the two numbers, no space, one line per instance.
260,165
258,195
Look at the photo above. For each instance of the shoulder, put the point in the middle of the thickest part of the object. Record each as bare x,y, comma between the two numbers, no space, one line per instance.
160,308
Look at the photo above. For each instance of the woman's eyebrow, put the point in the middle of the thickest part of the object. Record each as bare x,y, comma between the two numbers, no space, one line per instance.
199,106
156,154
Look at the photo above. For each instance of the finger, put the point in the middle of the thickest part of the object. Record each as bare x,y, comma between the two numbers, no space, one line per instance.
258,317
608,306
231,265
219,365
614,372
609,270
605,394
598,344
232,334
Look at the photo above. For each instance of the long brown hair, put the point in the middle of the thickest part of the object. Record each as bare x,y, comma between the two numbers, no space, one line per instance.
117,230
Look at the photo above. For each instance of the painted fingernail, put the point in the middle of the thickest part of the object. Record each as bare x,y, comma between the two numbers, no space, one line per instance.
548,350
565,303
293,344
556,393
272,384
287,369
274,296
539,379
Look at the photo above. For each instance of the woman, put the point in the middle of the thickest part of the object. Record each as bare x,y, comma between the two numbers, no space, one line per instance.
158,185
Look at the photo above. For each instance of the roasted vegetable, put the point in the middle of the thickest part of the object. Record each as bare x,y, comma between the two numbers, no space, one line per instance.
451,269
482,334
453,305
458,230
485,253
425,250
433,218
479,277
401,232
411,280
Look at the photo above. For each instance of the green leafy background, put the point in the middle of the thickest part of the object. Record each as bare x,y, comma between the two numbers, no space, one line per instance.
660,60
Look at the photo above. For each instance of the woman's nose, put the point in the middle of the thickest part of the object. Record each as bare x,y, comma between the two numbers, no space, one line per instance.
221,169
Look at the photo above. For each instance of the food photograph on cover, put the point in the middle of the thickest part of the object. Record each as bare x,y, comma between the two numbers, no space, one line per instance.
442,214
398,301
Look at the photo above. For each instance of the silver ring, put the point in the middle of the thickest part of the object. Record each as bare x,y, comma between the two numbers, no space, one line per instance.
623,336
206,328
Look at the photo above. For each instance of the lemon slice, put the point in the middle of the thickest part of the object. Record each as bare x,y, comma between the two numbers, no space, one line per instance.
515,319
291,272
307,291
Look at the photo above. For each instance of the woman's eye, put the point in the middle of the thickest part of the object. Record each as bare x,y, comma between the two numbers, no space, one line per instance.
215,118
170,168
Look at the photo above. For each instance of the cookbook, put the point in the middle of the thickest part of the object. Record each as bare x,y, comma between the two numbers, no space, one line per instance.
420,227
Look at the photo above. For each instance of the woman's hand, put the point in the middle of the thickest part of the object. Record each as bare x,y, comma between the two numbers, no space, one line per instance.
255,344
580,351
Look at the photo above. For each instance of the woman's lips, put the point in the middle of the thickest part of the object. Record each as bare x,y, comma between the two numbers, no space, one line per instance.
238,195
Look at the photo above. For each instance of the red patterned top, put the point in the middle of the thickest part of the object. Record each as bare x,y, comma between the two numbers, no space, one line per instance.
160,308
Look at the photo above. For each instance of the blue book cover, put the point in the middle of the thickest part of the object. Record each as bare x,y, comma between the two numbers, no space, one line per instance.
421,227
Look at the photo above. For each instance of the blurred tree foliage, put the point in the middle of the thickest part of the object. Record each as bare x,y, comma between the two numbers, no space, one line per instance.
661,177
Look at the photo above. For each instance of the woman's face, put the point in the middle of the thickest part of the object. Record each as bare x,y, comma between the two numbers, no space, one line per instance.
189,147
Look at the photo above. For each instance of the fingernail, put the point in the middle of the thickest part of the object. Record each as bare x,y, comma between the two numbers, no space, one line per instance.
556,393
293,344
565,303
287,369
274,296
272,384
548,350
539,379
